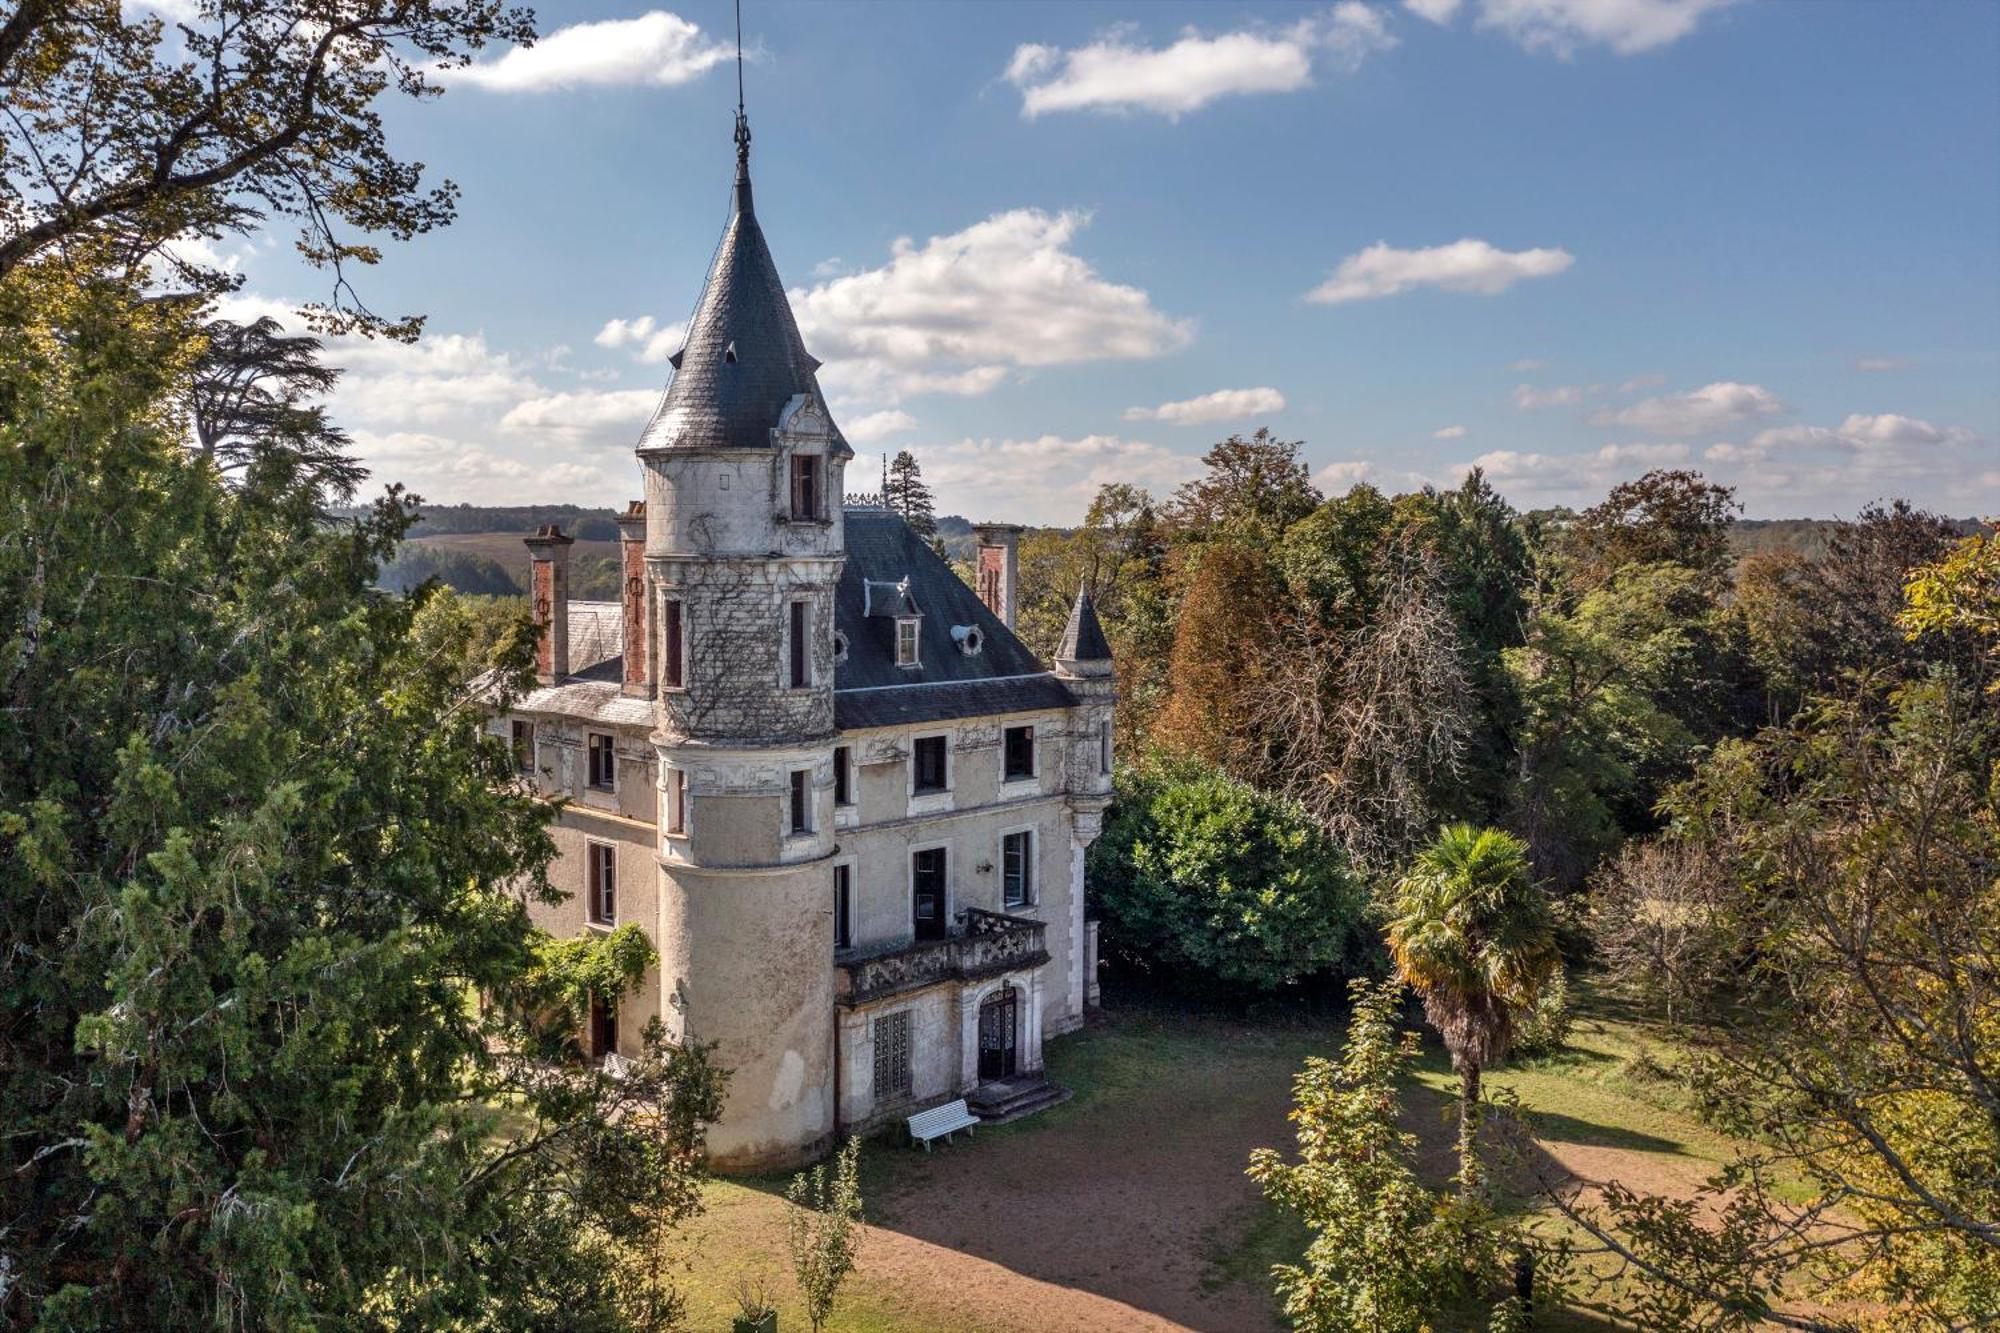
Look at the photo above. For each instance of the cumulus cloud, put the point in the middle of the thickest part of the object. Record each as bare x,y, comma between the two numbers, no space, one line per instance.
650,342
1222,405
1651,380
1448,433
1463,266
1115,73
657,49
579,415
1529,397
1342,477
984,476
956,313
1437,11
1704,411
1561,27
1574,476
878,426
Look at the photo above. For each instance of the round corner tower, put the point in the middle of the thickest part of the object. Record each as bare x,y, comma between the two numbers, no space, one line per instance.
743,472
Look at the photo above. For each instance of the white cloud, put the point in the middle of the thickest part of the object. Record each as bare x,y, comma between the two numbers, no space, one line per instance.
1528,398
1437,11
610,416
1627,27
956,313
878,426
1342,477
1115,74
1879,364
1703,411
1463,266
1449,433
652,343
984,478
657,49
1222,405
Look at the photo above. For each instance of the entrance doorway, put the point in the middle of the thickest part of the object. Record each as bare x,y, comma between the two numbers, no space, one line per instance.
999,1023
927,920
603,1028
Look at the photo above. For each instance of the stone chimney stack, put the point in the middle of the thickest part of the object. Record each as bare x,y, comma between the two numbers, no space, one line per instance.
632,535
999,568
548,590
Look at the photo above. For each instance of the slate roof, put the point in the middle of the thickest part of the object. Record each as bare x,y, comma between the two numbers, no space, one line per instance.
743,359
870,690
1083,638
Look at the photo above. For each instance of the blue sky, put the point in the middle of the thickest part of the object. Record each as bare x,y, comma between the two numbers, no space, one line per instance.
1047,246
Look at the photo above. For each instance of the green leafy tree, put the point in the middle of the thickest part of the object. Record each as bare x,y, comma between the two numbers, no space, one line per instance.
1212,883
126,133
264,874
249,395
1671,516
823,1229
1472,933
904,491
1253,490
1388,1254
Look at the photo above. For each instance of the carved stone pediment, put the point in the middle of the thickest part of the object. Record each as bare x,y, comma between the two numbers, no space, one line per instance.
803,420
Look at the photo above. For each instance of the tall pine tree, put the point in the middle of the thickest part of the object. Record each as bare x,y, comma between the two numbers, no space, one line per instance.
905,493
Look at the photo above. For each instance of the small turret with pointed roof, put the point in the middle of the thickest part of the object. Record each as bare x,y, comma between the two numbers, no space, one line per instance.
1084,650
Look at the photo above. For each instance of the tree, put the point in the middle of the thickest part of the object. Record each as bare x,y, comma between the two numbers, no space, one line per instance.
1667,516
261,859
905,493
1221,652
1472,934
247,398
126,134
1214,883
1253,489
1387,1254
823,1228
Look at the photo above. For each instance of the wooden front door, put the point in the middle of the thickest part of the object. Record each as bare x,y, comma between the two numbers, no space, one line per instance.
998,1024
927,919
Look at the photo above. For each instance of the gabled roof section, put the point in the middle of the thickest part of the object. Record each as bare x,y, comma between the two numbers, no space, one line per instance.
1083,638
743,359
871,690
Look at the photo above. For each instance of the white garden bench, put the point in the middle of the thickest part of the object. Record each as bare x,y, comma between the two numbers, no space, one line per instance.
941,1122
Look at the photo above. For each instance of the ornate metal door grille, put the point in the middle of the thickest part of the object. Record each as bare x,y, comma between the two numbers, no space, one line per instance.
892,1055
997,1035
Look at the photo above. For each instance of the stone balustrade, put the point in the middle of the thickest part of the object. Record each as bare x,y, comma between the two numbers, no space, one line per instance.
983,945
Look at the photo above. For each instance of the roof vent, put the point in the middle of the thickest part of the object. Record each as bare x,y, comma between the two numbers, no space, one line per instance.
968,638
729,354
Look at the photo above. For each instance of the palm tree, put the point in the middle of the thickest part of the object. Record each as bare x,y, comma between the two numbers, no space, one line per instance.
1472,934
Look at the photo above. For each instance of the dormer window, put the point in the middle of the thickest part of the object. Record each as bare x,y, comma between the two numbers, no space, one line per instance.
805,488
906,642
729,355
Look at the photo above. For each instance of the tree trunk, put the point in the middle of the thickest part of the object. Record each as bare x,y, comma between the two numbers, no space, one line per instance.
1471,1180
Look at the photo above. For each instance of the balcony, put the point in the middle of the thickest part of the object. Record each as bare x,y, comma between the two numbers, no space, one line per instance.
983,944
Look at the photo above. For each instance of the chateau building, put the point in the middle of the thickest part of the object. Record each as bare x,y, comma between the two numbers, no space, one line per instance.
845,802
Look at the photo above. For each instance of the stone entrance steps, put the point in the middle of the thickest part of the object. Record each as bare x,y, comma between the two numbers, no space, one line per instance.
1006,1100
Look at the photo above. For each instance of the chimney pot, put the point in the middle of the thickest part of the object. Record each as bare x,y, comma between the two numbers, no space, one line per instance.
999,567
632,545
548,589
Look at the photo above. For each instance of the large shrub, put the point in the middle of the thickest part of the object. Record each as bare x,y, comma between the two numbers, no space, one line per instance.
1208,882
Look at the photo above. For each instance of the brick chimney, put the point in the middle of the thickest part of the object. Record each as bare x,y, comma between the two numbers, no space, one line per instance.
632,539
999,567
548,590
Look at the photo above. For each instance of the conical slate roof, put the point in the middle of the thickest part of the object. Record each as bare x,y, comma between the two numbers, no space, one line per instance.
1083,638
743,359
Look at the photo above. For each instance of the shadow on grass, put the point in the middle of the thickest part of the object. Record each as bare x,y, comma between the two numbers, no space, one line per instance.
1584,1133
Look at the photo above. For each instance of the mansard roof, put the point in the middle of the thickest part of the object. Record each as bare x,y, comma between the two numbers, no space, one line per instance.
743,359
870,690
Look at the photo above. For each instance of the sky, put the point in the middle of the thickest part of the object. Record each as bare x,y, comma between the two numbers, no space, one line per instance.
1050,246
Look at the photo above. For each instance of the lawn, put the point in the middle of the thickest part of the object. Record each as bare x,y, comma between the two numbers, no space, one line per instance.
1127,1207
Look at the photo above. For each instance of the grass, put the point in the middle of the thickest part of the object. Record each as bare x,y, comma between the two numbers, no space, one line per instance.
1599,1106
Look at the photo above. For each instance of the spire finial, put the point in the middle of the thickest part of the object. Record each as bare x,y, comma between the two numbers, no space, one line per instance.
742,124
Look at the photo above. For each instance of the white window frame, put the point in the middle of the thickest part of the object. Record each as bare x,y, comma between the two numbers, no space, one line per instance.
1028,879
594,884
931,793
910,882
1034,772
914,626
590,751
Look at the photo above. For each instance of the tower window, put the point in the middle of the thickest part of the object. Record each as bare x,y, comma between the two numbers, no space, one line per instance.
843,775
1020,753
802,800
928,754
801,648
805,487
843,906
1104,747
524,746
906,643
677,800
602,868
603,762
671,639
